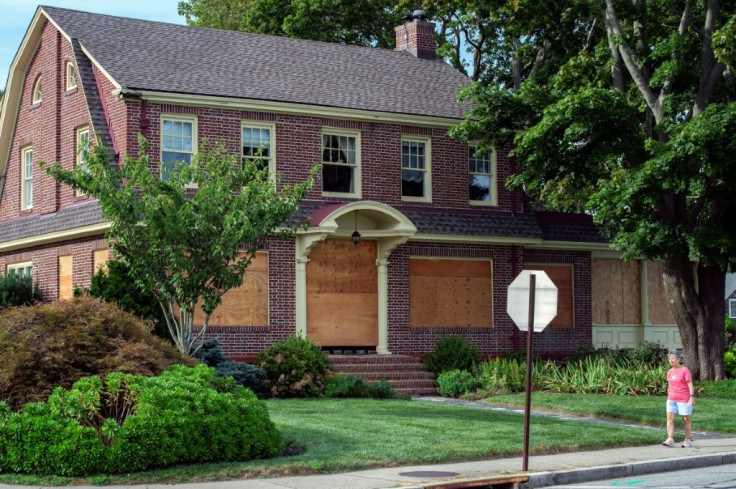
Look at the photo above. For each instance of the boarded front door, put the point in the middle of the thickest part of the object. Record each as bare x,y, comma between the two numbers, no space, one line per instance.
342,294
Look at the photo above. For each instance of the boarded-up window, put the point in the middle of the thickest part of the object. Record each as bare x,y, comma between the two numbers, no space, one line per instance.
616,292
561,276
659,309
246,305
450,293
99,260
66,277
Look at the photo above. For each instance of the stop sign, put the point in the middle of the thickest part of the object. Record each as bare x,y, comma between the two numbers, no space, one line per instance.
545,300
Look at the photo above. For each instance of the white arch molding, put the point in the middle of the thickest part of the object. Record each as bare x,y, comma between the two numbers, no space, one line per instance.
375,221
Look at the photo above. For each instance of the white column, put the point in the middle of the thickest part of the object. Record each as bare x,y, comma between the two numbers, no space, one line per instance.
301,296
382,347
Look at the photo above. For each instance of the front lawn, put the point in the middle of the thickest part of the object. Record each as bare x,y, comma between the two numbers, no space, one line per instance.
350,434
714,415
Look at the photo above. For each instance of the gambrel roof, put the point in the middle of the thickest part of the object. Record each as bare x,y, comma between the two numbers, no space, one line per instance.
142,55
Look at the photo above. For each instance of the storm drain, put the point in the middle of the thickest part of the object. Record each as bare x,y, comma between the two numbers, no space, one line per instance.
428,473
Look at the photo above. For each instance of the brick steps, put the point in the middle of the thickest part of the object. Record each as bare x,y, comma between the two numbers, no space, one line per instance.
404,373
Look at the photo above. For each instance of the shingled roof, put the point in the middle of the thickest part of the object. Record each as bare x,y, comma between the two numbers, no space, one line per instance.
143,55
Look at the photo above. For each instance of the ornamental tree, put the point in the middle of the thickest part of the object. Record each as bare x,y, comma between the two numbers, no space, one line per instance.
189,237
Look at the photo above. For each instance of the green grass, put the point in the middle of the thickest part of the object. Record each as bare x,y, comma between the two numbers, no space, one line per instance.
350,434
714,415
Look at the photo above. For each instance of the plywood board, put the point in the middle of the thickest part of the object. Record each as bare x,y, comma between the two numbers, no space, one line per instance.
561,276
66,277
100,259
342,294
658,306
450,293
616,292
246,305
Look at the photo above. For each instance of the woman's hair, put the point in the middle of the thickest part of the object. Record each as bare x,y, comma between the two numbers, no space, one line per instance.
676,353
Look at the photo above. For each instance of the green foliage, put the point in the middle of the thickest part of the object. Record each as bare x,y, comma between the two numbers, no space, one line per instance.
502,375
350,386
118,286
131,423
18,291
455,383
730,333
56,344
245,374
295,367
722,389
184,247
451,353
729,363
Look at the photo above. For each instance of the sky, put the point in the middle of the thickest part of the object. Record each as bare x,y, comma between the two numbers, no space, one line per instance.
16,15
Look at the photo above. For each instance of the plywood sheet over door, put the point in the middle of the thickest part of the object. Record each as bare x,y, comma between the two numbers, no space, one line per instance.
342,294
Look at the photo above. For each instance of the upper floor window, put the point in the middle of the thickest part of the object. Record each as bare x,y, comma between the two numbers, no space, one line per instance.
23,269
178,141
37,90
26,179
71,78
340,163
481,177
415,169
258,144
82,149
732,308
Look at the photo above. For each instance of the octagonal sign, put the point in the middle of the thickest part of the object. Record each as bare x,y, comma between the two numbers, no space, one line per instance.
545,300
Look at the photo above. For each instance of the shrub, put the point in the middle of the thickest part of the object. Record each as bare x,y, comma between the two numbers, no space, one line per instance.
244,374
295,367
450,353
343,386
178,417
55,344
455,383
502,376
18,291
724,389
729,363
116,285
648,353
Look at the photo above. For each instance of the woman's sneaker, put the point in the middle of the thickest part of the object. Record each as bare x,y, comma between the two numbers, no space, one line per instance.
669,442
686,444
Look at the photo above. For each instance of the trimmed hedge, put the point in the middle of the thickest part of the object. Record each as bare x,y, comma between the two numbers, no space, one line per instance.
131,423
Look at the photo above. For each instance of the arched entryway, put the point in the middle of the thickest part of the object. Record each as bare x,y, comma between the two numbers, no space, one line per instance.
341,288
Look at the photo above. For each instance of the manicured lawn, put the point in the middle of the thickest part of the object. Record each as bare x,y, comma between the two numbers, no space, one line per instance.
715,415
344,435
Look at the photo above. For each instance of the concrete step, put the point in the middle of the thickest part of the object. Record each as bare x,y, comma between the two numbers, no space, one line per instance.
404,373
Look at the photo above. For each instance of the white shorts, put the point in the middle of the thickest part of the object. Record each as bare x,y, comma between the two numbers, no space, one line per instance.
681,408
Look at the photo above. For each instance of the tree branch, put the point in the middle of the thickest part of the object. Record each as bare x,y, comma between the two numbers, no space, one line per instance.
710,71
590,39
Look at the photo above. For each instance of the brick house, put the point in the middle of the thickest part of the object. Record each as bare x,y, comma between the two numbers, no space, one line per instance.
441,237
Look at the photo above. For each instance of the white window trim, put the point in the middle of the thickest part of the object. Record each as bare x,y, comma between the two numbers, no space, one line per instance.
23,178
14,267
71,78
732,308
493,184
427,166
77,147
37,91
358,192
262,125
195,137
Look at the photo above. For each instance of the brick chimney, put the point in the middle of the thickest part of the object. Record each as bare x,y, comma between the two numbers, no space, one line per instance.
416,36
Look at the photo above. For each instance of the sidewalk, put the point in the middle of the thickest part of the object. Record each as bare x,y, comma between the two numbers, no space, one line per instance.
544,470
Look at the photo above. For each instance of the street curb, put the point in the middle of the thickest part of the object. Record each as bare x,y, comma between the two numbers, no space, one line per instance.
561,477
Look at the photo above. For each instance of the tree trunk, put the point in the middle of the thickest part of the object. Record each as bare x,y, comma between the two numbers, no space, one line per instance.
696,302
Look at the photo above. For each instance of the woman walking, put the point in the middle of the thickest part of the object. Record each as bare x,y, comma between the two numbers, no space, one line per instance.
680,398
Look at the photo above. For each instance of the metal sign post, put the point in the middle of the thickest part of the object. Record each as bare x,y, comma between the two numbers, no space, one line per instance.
529,343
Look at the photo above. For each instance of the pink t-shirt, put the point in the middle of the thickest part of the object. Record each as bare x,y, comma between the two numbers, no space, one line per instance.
677,388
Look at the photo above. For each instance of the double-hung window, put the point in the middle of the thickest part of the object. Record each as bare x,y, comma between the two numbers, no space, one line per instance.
71,79
258,144
23,269
178,141
341,163
26,170
416,176
82,149
481,177
732,308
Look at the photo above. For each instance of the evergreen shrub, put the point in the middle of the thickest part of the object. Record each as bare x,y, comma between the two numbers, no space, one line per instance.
451,353
456,383
18,291
130,423
353,386
245,374
295,367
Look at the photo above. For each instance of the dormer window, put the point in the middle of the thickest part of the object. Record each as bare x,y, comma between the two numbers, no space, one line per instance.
37,90
71,76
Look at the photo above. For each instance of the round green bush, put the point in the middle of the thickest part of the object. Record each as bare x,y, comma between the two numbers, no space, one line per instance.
295,367
450,353
455,383
131,423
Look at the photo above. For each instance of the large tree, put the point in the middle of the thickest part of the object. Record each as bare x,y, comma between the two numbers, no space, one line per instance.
636,126
187,238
